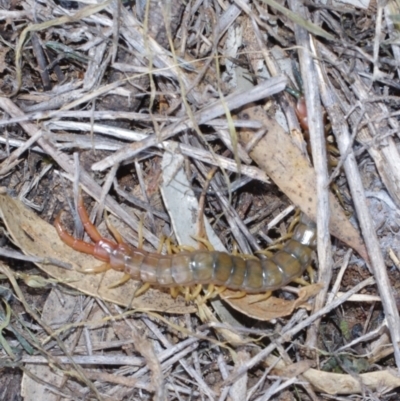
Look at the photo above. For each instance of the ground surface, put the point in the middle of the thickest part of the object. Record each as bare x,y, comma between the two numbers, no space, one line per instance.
170,114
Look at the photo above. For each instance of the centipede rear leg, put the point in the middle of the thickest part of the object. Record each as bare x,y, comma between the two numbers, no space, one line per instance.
71,241
100,249
89,227
80,246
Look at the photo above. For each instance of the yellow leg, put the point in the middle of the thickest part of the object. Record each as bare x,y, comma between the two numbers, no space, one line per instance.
295,221
183,248
209,291
335,152
213,293
95,270
219,290
196,291
142,289
265,252
113,230
301,281
161,244
205,242
275,246
187,294
262,298
174,292
235,250
124,279
311,274
237,295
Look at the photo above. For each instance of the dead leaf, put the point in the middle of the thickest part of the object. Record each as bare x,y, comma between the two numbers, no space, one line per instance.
337,383
37,238
289,169
271,308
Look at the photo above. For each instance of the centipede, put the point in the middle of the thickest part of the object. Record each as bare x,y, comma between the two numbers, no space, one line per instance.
199,267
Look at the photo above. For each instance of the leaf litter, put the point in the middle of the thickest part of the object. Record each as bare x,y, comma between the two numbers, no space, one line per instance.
182,111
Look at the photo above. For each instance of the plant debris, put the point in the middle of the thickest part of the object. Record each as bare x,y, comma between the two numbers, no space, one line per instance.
199,125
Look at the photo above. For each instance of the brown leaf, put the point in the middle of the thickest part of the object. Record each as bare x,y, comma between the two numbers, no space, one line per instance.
35,237
271,308
337,383
289,169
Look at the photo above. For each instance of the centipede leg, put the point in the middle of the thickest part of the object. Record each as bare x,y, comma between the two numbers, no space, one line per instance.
301,281
209,292
114,231
142,289
294,222
71,241
95,270
174,291
123,280
238,295
90,228
164,240
311,273
205,242
196,291
187,294
262,297
219,290
212,292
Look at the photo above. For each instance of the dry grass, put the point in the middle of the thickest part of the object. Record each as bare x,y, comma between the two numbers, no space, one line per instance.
161,115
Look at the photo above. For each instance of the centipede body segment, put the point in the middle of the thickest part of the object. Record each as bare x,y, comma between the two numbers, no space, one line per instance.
251,275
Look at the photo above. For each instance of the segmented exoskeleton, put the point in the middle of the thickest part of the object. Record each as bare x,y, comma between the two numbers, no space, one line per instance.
250,275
